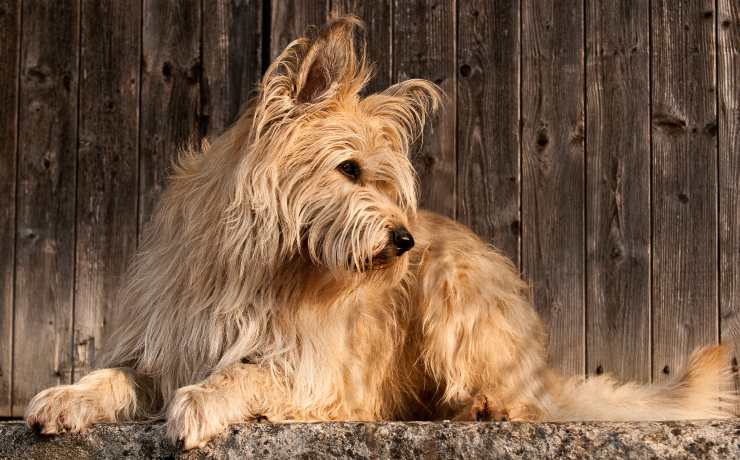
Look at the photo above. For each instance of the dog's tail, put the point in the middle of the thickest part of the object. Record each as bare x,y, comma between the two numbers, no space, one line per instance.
703,391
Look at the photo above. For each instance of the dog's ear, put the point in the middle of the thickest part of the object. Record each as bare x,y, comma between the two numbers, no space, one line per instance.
309,71
331,65
406,105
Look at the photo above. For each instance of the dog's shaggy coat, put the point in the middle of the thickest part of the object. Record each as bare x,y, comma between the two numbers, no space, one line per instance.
272,283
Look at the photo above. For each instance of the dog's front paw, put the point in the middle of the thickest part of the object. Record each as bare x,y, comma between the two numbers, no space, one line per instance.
191,420
62,409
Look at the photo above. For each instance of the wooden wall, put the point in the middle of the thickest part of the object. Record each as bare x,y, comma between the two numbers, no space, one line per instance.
597,143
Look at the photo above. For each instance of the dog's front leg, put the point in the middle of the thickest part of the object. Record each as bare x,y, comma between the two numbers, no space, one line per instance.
104,395
235,394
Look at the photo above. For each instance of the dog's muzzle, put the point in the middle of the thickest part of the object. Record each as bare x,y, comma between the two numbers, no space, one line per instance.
402,240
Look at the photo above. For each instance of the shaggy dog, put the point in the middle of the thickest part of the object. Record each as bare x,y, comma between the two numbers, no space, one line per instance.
288,274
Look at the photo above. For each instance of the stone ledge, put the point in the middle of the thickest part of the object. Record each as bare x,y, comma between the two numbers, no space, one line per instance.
708,439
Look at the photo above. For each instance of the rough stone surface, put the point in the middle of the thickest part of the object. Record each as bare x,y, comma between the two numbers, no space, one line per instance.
710,439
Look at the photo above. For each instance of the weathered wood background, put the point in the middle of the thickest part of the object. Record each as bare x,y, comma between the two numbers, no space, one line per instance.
595,142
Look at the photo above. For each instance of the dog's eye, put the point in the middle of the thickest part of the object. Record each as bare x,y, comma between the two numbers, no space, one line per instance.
350,168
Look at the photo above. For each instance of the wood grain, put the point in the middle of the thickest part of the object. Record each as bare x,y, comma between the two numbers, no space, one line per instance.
378,17
47,165
618,189
107,167
424,47
488,162
684,182
232,32
293,19
728,18
170,93
553,137
10,17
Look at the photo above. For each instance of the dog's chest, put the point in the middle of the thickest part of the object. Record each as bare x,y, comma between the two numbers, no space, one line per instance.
372,357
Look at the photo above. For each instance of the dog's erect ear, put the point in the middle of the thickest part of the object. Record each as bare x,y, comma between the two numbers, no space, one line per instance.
309,71
331,64
406,105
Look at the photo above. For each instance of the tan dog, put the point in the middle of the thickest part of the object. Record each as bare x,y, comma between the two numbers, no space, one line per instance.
288,274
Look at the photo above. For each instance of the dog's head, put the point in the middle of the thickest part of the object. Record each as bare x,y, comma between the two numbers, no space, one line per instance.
330,169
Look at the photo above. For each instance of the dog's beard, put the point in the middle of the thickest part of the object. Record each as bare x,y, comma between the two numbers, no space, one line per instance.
367,248
381,259
350,239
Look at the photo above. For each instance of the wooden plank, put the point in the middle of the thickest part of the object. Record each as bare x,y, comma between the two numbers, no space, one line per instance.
424,47
47,165
170,92
728,17
110,40
292,19
618,188
231,61
684,182
488,169
377,16
553,133
10,17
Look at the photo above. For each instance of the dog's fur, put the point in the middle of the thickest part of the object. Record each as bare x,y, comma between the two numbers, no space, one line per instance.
269,285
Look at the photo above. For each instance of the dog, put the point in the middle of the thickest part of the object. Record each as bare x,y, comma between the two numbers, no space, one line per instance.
288,274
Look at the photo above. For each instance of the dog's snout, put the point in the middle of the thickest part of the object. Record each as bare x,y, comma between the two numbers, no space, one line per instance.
402,240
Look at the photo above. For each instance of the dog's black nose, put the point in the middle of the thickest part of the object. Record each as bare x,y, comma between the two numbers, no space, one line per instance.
402,240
